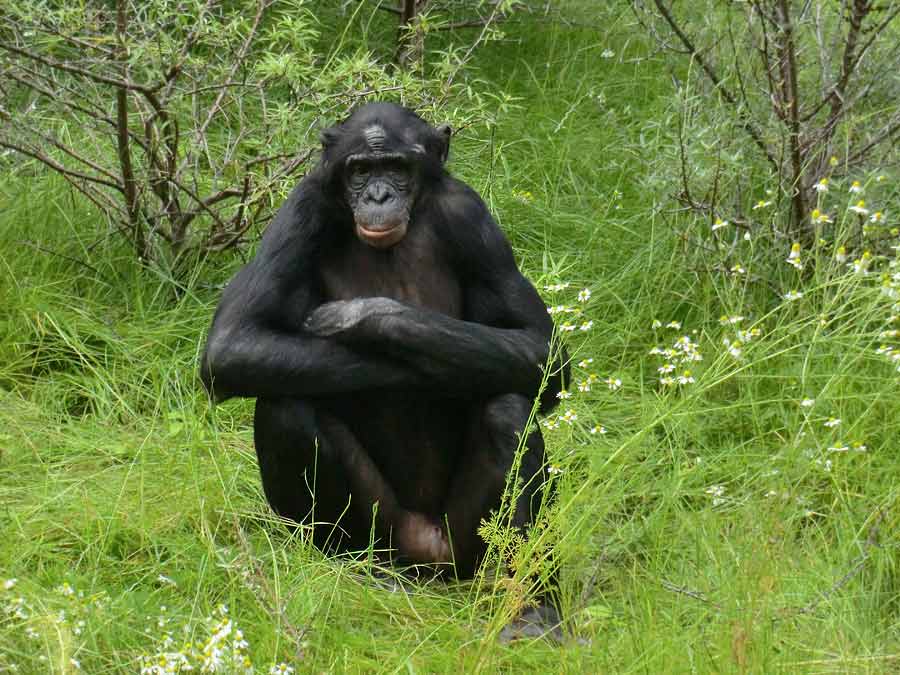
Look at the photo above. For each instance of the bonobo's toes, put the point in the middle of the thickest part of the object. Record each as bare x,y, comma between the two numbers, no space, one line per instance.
421,539
535,622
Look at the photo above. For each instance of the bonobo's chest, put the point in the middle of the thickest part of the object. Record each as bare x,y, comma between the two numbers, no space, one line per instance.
413,272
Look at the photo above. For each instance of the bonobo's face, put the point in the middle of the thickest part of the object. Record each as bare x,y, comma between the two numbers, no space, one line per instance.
379,161
380,189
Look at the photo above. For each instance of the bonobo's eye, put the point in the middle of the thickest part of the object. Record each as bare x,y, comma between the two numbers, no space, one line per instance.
357,176
399,173
358,171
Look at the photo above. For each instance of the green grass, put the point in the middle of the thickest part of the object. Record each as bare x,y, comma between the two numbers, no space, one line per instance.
118,479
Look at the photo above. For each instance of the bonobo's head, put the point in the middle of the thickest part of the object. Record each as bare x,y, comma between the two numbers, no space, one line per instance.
378,161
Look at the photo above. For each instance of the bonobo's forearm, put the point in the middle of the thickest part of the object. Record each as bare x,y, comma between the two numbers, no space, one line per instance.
454,354
265,363
495,359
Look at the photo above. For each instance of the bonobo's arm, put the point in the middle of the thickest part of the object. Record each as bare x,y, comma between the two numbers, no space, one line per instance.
256,346
503,344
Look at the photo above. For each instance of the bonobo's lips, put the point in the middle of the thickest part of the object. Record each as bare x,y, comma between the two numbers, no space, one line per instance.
380,227
377,234
381,237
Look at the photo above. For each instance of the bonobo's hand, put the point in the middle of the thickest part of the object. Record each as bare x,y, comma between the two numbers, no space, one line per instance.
351,318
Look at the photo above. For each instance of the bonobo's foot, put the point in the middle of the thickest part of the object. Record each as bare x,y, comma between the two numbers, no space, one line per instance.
421,539
535,622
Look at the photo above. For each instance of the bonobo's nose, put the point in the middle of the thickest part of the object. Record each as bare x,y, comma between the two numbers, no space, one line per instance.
378,193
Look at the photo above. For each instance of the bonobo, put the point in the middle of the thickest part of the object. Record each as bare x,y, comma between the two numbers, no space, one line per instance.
393,347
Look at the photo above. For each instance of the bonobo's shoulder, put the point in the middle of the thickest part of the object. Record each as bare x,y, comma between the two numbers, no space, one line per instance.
300,221
456,195
469,230
463,209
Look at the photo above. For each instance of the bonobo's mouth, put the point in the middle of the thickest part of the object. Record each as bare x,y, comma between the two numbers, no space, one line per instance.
382,237
377,234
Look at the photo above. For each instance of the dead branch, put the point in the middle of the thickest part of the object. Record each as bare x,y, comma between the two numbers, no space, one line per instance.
749,125
792,107
56,166
857,565
239,59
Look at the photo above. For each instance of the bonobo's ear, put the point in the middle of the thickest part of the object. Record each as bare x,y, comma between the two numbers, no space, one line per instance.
444,132
328,137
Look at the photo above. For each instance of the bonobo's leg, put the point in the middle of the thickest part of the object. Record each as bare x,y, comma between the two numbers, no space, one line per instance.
478,486
303,479
314,469
417,538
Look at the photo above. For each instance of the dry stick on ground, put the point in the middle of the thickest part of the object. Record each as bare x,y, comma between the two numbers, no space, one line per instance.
786,612
860,561
266,596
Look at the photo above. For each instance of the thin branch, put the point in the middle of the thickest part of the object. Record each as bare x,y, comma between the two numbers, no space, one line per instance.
888,132
77,261
390,8
860,561
690,592
122,146
199,200
71,39
56,166
875,33
65,149
471,50
471,23
215,108
92,113
67,67
648,26
746,121
189,42
766,58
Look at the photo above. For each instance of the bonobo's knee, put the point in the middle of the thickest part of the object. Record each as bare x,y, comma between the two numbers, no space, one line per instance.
285,422
504,420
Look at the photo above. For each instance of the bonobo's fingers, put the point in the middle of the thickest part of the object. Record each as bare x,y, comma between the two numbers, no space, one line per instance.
333,318
344,318
535,622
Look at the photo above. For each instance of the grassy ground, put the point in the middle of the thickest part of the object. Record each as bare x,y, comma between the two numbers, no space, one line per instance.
718,526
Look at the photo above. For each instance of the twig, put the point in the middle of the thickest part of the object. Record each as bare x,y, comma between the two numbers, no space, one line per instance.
56,166
860,561
67,67
239,58
47,138
268,598
470,51
689,592
77,261
746,121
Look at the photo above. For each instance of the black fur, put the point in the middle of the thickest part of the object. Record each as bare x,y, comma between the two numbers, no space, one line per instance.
401,375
